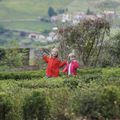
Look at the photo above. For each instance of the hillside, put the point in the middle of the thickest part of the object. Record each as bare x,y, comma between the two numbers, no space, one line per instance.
30,10
23,15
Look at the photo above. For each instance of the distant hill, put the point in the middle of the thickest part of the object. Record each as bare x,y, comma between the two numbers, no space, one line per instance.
32,9
15,9
23,14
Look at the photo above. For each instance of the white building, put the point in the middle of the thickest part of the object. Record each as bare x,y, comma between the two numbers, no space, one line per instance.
66,18
109,14
41,37
52,37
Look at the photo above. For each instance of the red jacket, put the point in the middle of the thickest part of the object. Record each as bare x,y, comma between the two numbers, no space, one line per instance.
73,68
53,65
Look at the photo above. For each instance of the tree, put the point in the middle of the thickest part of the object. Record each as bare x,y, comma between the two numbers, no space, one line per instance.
115,49
86,38
13,58
89,12
2,54
2,29
51,12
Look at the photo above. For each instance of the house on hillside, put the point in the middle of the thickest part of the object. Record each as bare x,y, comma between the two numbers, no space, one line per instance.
109,15
52,37
42,37
37,37
56,18
66,18
55,28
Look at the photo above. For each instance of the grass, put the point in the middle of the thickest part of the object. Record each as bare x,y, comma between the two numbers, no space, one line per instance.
15,9
32,9
35,26
28,9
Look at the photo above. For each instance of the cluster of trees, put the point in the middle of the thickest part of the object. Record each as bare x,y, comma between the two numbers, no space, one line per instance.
53,12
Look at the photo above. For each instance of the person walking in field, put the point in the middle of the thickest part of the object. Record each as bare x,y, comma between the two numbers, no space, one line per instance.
72,65
53,63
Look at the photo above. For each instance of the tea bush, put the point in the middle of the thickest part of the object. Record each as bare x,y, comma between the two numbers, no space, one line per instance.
6,107
94,93
21,75
36,106
96,101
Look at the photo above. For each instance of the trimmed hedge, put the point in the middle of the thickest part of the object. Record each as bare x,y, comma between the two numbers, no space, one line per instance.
36,107
86,74
94,93
98,102
92,101
22,75
6,107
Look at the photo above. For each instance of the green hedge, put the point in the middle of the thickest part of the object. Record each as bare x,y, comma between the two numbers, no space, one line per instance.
37,106
22,75
92,101
98,102
94,93
87,74
6,107
41,83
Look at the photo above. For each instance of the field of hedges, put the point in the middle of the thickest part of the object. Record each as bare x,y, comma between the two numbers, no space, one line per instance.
93,95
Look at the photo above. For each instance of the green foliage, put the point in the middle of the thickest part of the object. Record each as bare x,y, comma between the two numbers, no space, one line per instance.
42,83
51,12
71,83
95,101
89,12
6,107
36,106
2,29
114,51
61,109
94,93
22,75
13,58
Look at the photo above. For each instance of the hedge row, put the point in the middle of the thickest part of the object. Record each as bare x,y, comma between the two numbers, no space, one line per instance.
93,95
22,75
92,101
87,74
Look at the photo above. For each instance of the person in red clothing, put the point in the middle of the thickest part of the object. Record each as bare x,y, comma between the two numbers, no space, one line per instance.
72,65
53,63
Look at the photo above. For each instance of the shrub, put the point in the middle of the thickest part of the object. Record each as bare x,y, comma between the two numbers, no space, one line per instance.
71,82
42,83
61,109
36,106
22,75
90,71
96,101
6,107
